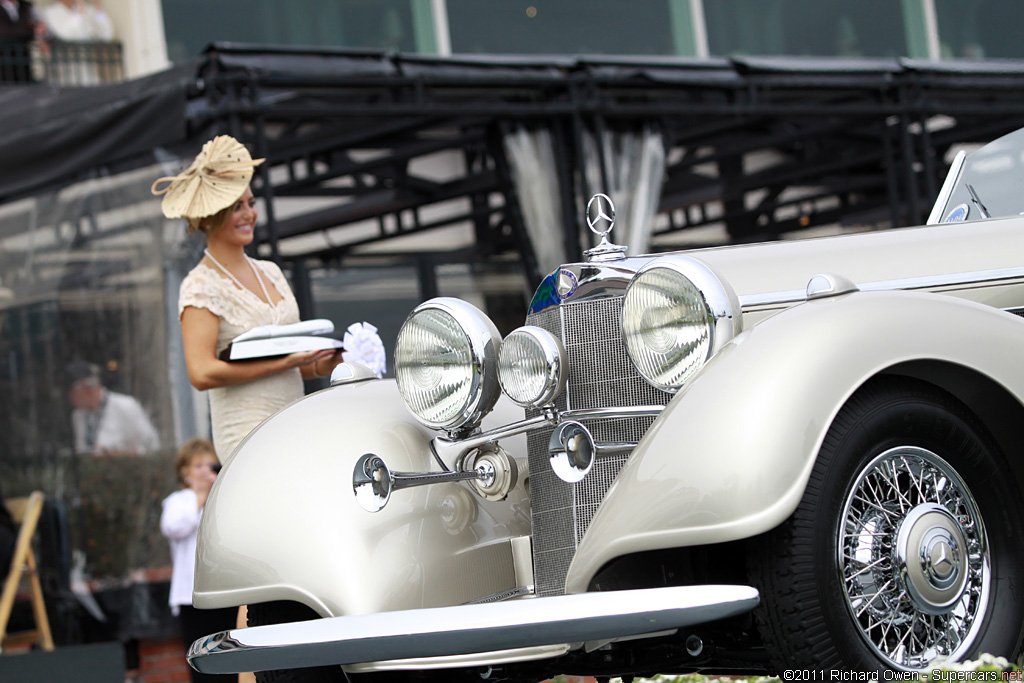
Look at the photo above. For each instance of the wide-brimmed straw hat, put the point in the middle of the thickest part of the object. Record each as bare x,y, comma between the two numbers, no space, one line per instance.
214,181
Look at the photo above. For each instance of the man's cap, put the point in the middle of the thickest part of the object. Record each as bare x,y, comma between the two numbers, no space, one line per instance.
79,370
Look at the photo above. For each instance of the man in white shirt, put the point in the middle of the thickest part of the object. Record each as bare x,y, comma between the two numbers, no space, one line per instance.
106,422
78,20
70,22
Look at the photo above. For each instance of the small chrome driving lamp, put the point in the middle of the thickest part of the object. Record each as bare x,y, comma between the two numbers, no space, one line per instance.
532,367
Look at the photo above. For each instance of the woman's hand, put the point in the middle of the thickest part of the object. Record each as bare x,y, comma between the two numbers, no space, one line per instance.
322,363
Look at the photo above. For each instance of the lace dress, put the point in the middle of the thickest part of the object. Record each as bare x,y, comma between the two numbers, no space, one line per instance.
235,410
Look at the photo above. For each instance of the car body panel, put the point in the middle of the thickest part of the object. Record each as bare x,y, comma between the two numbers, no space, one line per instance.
894,256
702,474
294,486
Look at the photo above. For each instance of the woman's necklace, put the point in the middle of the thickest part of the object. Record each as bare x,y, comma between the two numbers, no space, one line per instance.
259,279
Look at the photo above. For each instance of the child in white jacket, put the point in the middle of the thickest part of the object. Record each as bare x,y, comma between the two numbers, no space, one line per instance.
197,467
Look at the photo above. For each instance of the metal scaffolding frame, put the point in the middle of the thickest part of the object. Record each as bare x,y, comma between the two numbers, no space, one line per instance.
764,146
761,148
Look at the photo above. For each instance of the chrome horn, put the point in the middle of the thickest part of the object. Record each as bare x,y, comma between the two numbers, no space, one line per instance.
373,481
571,450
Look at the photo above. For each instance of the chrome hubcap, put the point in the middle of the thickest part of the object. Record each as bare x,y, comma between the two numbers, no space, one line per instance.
913,558
931,558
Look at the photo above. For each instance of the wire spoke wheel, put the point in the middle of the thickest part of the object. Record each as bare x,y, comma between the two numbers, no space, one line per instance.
913,556
905,547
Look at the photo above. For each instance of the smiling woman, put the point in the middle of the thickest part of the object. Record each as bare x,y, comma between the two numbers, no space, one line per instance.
228,293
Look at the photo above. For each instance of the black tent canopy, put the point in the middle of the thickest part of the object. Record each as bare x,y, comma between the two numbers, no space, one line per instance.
345,133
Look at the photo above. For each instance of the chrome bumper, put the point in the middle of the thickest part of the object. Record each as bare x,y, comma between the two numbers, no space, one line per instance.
467,629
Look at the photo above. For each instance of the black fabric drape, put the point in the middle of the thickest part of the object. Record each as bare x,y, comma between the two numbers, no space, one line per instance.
50,133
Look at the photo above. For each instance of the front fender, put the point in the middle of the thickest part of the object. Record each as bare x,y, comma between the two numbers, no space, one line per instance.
282,522
730,456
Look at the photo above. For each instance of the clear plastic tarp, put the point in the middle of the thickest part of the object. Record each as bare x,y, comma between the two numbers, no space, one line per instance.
88,273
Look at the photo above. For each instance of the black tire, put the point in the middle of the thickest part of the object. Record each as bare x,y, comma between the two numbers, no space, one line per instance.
283,613
899,462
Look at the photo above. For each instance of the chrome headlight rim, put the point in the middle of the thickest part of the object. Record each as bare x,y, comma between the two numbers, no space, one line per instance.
555,362
484,341
720,302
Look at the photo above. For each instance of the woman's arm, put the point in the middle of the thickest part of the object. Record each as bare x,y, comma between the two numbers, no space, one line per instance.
199,338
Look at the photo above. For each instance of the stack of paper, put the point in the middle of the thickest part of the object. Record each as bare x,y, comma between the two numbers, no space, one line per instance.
268,341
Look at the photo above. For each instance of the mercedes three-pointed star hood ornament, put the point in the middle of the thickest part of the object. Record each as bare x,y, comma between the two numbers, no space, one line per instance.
601,220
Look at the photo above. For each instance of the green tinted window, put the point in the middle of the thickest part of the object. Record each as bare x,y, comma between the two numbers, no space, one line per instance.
191,25
979,28
848,28
637,27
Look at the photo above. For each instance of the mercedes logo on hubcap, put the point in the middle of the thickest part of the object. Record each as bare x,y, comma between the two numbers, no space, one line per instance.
942,563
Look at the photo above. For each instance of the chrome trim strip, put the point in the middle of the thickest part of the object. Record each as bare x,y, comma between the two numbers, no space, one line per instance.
947,188
788,296
611,413
792,296
605,449
466,629
481,659
520,592
452,453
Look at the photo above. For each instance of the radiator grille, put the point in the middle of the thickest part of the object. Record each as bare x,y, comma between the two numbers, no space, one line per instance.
600,375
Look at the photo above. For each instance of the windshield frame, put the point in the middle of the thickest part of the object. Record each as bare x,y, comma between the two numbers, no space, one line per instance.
987,183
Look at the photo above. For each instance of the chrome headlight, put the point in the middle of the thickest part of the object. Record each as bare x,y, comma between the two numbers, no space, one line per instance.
532,366
675,316
446,363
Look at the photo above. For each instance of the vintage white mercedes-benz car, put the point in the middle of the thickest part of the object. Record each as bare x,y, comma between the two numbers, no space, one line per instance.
804,455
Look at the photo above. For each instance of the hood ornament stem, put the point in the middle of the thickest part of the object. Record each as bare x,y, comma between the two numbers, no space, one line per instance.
601,220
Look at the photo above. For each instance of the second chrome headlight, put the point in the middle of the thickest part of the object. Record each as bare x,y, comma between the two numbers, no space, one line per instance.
445,363
675,316
532,366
